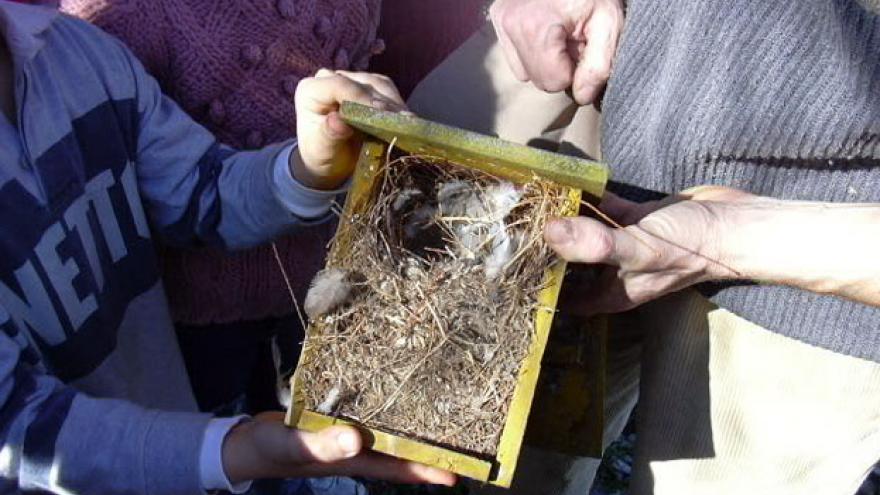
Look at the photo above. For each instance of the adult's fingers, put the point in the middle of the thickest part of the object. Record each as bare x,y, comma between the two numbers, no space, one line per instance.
584,240
607,296
618,209
594,68
543,47
534,39
498,12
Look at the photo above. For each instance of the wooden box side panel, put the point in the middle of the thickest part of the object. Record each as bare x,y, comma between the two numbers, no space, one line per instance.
369,169
370,165
523,396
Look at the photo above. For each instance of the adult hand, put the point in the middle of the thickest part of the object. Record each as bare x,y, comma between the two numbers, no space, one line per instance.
328,147
560,44
265,448
664,246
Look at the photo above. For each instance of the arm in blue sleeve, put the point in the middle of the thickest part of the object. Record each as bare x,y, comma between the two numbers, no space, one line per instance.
57,440
197,191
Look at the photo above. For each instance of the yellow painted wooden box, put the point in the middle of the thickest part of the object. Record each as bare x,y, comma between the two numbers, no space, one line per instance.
507,160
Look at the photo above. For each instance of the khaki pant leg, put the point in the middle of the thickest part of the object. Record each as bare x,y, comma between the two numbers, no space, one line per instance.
475,90
728,407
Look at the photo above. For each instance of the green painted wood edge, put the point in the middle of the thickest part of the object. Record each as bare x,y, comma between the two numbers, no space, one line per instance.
513,434
490,154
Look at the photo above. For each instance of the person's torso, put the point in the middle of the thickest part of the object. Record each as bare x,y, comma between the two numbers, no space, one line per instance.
78,271
778,98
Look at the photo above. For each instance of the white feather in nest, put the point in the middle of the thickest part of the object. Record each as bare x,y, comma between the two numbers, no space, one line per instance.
458,198
485,211
418,221
330,402
330,289
504,247
502,198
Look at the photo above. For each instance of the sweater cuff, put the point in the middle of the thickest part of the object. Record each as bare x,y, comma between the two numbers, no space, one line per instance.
211,467
304,202
171,453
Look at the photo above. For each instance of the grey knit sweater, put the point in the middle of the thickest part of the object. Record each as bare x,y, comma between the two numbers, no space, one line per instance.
777,97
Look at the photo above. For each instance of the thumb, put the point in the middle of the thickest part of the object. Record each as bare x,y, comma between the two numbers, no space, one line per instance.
333,444
584,240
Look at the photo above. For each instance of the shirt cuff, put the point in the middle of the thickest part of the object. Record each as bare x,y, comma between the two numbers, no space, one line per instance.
211,456
302,201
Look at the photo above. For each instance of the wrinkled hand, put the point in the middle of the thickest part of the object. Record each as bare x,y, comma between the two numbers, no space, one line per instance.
560,44
665,246
328,147
265,448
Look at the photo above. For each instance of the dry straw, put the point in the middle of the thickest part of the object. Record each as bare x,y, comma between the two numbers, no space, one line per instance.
444,270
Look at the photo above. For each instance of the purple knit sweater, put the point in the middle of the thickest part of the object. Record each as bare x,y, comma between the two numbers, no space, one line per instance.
234,66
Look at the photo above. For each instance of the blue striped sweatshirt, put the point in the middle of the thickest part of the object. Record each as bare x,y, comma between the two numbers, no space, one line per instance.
94,396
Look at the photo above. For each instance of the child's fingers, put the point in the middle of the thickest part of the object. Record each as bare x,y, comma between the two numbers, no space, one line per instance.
331,445
378,466
383,84
336,129
323,94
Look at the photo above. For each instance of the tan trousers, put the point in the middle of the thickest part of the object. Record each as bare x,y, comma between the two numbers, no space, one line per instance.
725,407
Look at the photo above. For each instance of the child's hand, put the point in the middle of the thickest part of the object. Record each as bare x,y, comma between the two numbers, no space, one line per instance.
328,148
265,448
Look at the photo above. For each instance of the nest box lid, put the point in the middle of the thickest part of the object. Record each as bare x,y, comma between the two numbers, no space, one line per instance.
490,154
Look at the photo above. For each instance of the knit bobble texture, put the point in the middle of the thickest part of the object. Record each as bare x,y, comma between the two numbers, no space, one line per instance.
217,112
287,8
234,65
341,60
251,54
323,27
254,139
289,85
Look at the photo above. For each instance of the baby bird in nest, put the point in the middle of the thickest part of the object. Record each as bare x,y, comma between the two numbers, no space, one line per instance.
478,217
330,289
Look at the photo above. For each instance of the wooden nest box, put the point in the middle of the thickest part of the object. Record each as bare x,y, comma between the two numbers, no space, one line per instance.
507,161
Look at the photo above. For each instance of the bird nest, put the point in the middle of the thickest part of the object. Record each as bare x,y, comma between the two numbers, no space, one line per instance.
421,326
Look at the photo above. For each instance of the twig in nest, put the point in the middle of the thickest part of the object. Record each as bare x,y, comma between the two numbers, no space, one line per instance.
425,334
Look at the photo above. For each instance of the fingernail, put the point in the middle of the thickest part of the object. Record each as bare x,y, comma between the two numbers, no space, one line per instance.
348,443
559,232
379,104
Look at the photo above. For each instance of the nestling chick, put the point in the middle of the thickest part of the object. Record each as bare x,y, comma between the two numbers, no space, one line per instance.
405,197
502,198
483,211
458,198
330,402
330,289
417,221
505,245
